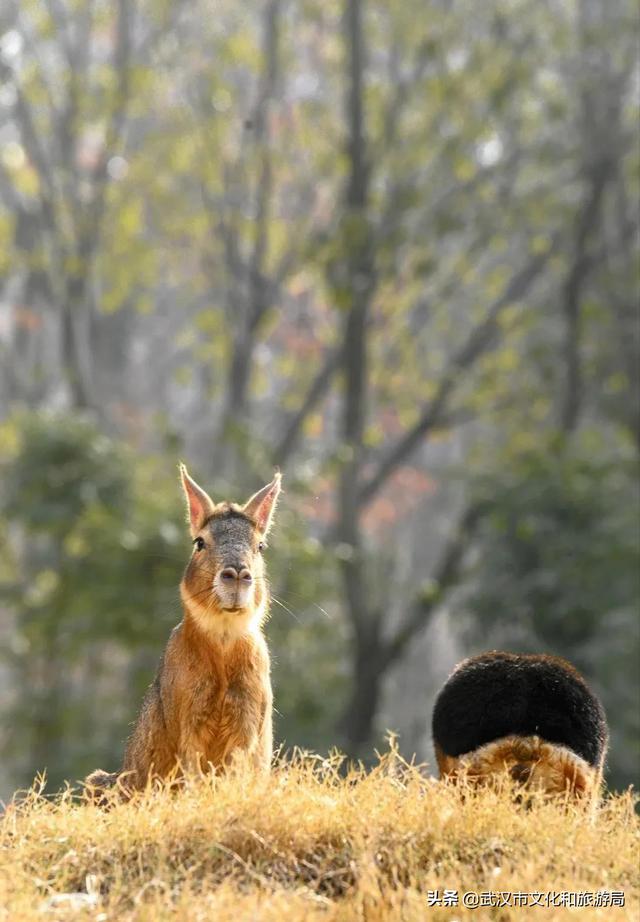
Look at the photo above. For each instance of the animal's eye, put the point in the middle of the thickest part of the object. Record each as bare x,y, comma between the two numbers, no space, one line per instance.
199,544
261,545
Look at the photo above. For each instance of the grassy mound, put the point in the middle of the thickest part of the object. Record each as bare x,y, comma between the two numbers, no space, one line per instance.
310,844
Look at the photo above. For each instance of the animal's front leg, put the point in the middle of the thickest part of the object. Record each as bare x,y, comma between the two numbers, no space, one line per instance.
192,761
195,757
263,752
241,720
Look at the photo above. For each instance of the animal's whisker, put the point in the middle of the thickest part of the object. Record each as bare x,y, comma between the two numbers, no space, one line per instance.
282,605
309,602
202,593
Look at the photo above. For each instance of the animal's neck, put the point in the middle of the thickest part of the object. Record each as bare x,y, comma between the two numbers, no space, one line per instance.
213,658
219,629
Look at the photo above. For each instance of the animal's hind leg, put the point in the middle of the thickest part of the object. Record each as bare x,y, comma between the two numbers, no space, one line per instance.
97,786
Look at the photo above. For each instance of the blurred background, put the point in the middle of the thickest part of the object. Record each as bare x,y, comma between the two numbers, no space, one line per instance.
390,247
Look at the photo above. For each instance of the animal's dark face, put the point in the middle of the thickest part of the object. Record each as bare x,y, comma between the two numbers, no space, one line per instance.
226,571
224,585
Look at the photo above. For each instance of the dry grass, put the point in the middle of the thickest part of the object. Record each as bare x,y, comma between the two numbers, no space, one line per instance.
310,844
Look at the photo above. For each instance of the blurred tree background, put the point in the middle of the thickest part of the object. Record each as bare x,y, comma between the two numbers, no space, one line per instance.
390,247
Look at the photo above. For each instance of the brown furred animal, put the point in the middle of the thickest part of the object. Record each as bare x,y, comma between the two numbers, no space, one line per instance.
211,700
528,716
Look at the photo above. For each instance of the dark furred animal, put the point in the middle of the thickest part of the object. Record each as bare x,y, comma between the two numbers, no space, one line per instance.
531,714
211,700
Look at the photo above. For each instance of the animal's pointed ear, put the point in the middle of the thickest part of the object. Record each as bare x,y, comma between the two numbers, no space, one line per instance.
262,504
199,504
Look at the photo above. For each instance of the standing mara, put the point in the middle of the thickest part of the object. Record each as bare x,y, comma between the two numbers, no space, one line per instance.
211,699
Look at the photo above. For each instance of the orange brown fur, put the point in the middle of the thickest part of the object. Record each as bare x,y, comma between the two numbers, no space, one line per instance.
531,761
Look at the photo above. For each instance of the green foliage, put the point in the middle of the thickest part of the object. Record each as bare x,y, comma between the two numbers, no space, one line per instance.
558,569
93,541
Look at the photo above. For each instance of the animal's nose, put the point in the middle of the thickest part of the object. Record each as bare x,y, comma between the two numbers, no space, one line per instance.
236,573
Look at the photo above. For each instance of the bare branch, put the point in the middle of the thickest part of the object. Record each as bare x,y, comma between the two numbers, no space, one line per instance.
60,19
319,385
34,148
360,279
401,91
88,219
264,182
586,223
258,296
77,54
476,344
446,575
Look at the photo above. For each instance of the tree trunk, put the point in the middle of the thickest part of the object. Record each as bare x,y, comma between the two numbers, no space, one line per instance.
359,274
358,722
77,357
587,223
234,412
71,358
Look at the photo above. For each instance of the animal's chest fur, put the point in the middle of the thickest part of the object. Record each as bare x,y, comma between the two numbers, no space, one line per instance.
227,710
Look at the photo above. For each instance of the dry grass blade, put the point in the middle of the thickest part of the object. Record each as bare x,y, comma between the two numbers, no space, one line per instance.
311,843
